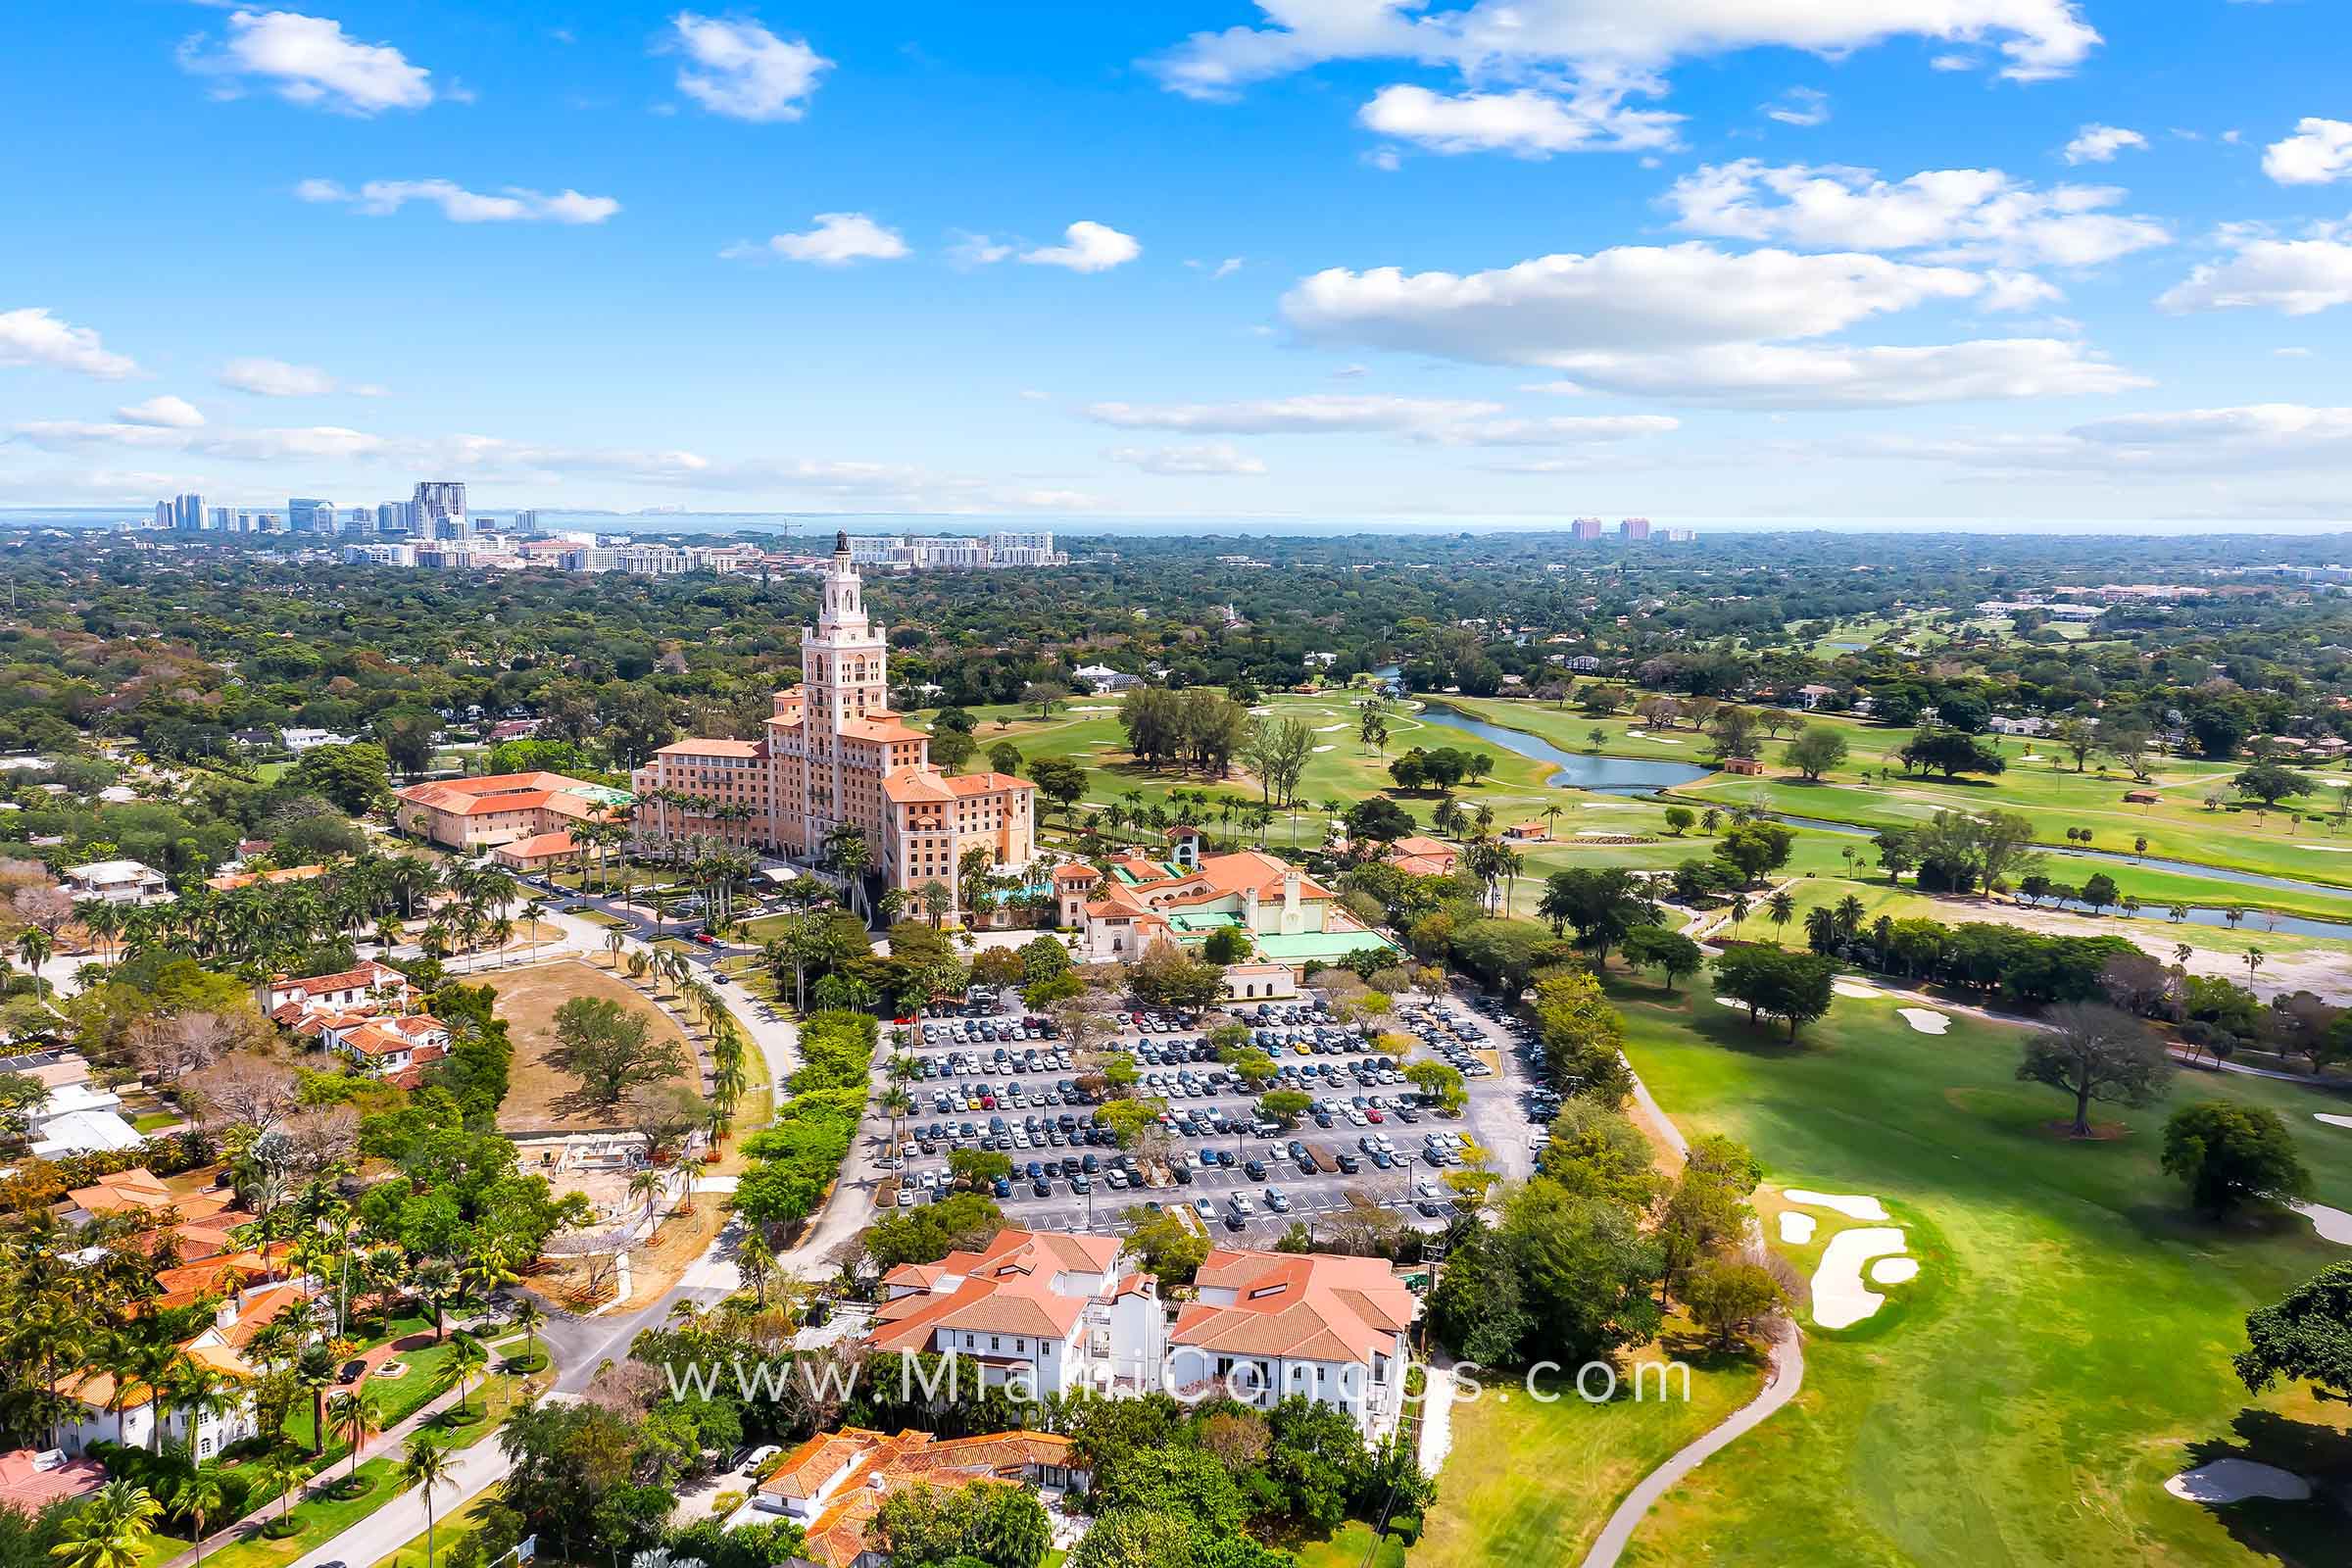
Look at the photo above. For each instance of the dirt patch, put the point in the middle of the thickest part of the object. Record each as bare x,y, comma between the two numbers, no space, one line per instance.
539,1096
2101,1132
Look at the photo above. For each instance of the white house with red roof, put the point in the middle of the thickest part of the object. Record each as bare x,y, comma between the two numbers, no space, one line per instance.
1286,915
1267,1325
1047,1310
368,1015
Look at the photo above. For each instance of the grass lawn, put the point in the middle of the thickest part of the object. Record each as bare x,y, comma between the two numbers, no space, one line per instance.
445,1531
2066,1347
2047,789
1088,732
1352,1545
539,1096
320,1520
1531,1482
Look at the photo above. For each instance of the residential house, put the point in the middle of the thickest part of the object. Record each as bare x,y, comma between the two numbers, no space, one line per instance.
1268,1325
1046,1311
835,1483
117,882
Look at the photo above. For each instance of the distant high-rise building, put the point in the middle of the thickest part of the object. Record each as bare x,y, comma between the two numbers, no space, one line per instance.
220,519
302,516
1633,530
527,520
165,515
188,513
1680,536
439,504
1585,528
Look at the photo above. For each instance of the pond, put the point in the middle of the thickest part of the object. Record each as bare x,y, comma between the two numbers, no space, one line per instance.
1604,775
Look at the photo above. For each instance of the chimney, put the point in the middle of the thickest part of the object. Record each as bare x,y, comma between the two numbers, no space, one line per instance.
1249,909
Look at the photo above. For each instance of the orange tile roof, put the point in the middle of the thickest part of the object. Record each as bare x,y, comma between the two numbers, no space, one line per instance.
837,1536
1006,1288
539,846
987,783
231,881
713,747
1314,1306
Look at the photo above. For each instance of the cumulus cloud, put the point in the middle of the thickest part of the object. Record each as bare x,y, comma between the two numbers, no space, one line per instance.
32,336
1087,247
1800,105
165,413
1951,214
310,61
1208,458
837,241
1526,122
2319,153
2295,277
2098,144
2035,39
380,198
2248,439
1690,322
742,71
977,250
276,378
1449,421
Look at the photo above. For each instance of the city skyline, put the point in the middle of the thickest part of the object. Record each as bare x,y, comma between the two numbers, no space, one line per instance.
2027,263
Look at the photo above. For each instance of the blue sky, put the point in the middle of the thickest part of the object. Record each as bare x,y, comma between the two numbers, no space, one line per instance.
2007,260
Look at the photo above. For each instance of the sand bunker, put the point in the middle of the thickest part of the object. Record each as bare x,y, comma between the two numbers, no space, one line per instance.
2332,1121
1325,729
1839,1298
1893,1270
1853,1205
2235,1480
1326,748
1662,739
1796,1229
2332,1224
1925,1021
1852,988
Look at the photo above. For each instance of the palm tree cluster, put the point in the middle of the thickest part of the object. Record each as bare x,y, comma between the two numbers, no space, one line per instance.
265,927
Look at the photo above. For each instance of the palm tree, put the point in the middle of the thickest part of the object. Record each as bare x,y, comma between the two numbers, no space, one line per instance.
34,946
358,1416
282,1472
1781,909
2253,961
1739,909
198,1492
467,1359
425,1467
530,1318
110,1531
433,1282
646,1184
1850,911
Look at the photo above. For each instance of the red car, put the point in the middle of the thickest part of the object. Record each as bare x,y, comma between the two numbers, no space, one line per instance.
705,939
1373,1114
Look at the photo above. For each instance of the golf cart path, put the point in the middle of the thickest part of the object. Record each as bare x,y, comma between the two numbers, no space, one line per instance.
1787,1376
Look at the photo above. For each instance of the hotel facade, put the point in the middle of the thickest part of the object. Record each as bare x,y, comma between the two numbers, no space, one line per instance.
835,753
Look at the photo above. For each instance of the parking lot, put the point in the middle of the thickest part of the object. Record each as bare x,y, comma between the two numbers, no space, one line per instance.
998,1080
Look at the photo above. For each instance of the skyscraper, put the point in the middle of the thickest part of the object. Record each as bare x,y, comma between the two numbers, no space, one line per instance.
440,509
303,515
1586,529
1635,530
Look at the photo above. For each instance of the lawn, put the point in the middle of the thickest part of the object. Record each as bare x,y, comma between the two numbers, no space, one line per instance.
2048,790
320,1520
1352,1545
539,1096
2066,1347
1531,1482
1346,770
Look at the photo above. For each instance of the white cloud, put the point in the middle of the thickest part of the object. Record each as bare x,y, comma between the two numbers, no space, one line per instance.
2319,153
380,198
1780,376
1217,269
1209,457
1800,105
743,71
977,250
276,378
2037,38
166,413
1953,213
1633,297
1312,413
32,336
2098,144
2291,353
1449,422
1526,122
310,61
837,241
2018,291
1089,247
2296,277
2252,440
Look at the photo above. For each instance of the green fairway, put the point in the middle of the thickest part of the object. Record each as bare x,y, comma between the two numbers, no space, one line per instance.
2066,1346
1532,1482
2180,826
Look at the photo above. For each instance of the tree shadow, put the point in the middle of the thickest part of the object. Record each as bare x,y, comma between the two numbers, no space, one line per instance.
2309,1531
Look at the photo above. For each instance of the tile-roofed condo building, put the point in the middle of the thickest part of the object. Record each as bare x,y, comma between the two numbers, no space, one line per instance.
1273,1324
1048,1311
483,813
836,753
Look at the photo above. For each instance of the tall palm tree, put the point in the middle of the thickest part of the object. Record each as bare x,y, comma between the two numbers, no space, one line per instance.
110,1529
530,1318
357,1415
425,1467
199,1493
34,946
282,1472
469,1358
1781,909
